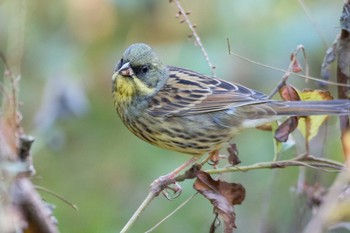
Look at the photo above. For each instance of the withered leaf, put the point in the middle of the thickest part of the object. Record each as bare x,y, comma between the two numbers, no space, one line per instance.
222,195
233,154
296,67
287,127
289,93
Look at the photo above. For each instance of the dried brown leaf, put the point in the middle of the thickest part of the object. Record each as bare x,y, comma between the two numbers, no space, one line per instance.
296,67
287,127
289,93
233,154
222,195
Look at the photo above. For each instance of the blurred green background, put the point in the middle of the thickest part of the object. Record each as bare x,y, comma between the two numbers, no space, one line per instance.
84,153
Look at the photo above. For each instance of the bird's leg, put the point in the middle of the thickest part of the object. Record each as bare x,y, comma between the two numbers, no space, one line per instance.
214,157
163,182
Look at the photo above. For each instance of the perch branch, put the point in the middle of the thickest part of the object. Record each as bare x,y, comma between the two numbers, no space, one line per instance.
309,161
172,213
305,161
142,207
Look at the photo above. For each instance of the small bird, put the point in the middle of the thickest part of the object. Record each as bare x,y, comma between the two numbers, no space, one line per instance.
188,112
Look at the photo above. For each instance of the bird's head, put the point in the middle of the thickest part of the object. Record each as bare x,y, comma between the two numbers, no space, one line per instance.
139,73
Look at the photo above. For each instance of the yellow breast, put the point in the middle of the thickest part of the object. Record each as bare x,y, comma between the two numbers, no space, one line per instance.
126,88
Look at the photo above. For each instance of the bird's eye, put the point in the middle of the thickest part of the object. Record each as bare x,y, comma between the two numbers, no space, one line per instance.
144,69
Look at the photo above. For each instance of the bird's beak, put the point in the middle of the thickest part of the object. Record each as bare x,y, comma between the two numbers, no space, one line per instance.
126,70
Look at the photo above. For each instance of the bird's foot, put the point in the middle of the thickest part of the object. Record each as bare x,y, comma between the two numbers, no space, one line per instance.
167,186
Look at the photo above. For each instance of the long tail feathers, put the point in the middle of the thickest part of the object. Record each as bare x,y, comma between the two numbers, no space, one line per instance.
308,108
294,108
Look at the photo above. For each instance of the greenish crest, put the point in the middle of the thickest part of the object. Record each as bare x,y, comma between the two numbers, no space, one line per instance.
140,54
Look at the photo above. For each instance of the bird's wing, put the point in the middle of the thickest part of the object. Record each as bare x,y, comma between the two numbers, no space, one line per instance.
187,93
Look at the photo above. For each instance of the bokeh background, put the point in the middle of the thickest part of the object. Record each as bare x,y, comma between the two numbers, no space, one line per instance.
84,153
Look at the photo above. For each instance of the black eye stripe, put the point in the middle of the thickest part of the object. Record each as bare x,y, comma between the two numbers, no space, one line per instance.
141,69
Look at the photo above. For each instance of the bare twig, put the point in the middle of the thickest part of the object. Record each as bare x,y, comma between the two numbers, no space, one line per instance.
158,186
138,212
284,71
195,35
172,213
290,70
310,161
57,196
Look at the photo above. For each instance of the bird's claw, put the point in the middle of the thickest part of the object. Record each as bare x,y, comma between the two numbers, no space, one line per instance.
176,191
162,185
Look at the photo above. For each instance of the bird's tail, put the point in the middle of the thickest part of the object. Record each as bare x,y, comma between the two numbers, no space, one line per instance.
309,108
296,108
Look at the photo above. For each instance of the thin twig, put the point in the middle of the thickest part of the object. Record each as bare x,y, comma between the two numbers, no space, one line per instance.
286,75
40,188
284,71
311,162
197,38
138,212
172,213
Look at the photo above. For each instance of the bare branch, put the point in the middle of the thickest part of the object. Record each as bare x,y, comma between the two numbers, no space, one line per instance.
172,213
290,70
195,35
309,161
138,212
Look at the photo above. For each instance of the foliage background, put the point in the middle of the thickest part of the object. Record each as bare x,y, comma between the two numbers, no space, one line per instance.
84,153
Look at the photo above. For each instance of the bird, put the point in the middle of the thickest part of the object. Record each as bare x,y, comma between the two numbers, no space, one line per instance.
188,112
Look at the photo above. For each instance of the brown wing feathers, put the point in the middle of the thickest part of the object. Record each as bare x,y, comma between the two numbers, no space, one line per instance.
188,93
